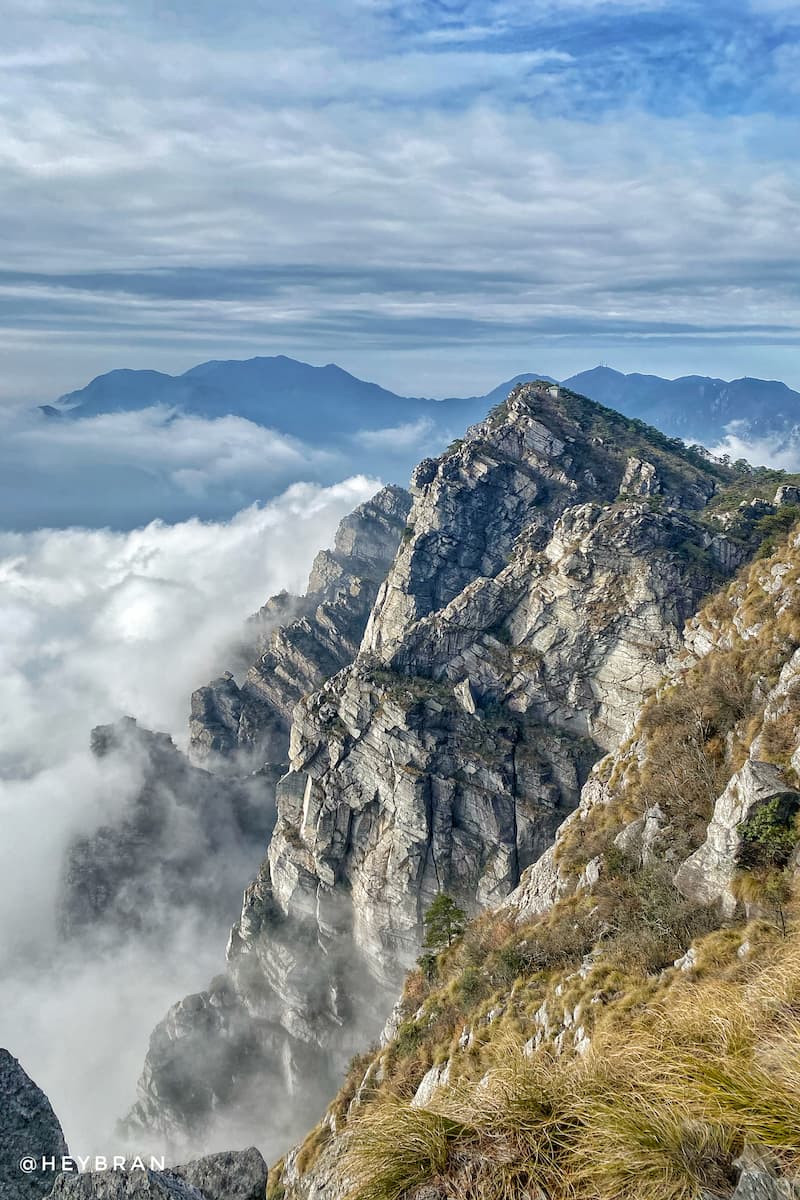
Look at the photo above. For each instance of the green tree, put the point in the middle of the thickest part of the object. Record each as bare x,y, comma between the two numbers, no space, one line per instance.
444,922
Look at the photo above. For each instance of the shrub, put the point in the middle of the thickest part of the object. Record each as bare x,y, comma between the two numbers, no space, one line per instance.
767,840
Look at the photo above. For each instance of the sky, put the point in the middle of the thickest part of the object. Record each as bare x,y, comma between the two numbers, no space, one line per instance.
436,194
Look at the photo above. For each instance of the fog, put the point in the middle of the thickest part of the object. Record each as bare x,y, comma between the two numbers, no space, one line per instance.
123,469
779,451
95,625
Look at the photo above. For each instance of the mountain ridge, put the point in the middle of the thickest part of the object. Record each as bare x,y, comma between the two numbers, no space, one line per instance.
548,560
690,406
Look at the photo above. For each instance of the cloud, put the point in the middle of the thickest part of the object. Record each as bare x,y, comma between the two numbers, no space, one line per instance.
779,452
584,173
414,435
94,625
122,468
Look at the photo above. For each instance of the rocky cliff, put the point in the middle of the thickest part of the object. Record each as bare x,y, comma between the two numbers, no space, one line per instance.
154,853
625,1023
300,640
545,571
185,820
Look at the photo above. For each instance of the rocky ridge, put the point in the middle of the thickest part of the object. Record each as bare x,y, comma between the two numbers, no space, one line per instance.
640,931
153,856
548,564
300,640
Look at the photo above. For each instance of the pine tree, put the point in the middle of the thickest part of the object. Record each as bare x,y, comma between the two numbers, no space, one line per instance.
444,922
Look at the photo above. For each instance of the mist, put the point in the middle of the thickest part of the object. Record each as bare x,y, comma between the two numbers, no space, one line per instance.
96,625
781,451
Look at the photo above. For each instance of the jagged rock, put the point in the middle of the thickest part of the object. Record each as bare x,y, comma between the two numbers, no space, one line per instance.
787,494
153,859
539,888
302,640
758,1182
639,836
463,693
232,1175
521,572
28,1128
706,876
640,478
122,1185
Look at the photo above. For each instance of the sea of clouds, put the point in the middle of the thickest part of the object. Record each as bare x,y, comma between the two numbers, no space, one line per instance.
94,625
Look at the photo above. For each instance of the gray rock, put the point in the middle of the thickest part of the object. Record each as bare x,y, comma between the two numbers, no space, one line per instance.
124,1184
787,494
301,640
28,1128
706,875
232,1175
525,612
640,479
432,1080
758,1182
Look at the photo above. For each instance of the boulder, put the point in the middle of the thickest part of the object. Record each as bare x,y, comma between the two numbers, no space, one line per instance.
28,1129
232,1175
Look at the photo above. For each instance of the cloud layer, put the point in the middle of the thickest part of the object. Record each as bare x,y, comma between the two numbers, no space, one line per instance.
398,186
121,469
94,625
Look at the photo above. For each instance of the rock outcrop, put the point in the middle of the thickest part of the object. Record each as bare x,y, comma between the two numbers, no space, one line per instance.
301,640
707,875
528,609
153,858
29,1129
234,1175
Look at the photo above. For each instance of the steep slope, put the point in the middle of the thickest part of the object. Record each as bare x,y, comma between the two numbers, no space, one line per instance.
625,1024
301,640
550,559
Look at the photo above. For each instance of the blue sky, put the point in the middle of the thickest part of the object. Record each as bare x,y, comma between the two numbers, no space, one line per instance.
434,194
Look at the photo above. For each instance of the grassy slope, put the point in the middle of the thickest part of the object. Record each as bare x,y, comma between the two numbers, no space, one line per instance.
682,1069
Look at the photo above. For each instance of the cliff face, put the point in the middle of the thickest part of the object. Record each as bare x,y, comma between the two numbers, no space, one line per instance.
549,562
154,856
301,640
636,993
29,1129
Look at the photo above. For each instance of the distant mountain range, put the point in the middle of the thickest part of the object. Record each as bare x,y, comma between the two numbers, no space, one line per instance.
315,404
321,404
696,407
226,435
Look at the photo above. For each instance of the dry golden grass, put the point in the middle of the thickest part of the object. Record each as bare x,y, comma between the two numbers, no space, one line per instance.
657,1110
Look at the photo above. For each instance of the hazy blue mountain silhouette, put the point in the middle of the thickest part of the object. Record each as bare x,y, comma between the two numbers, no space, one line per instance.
327,425
312,403
695,407
319,404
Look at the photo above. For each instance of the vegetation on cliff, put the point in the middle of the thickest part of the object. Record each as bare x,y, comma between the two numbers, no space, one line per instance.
630,1041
